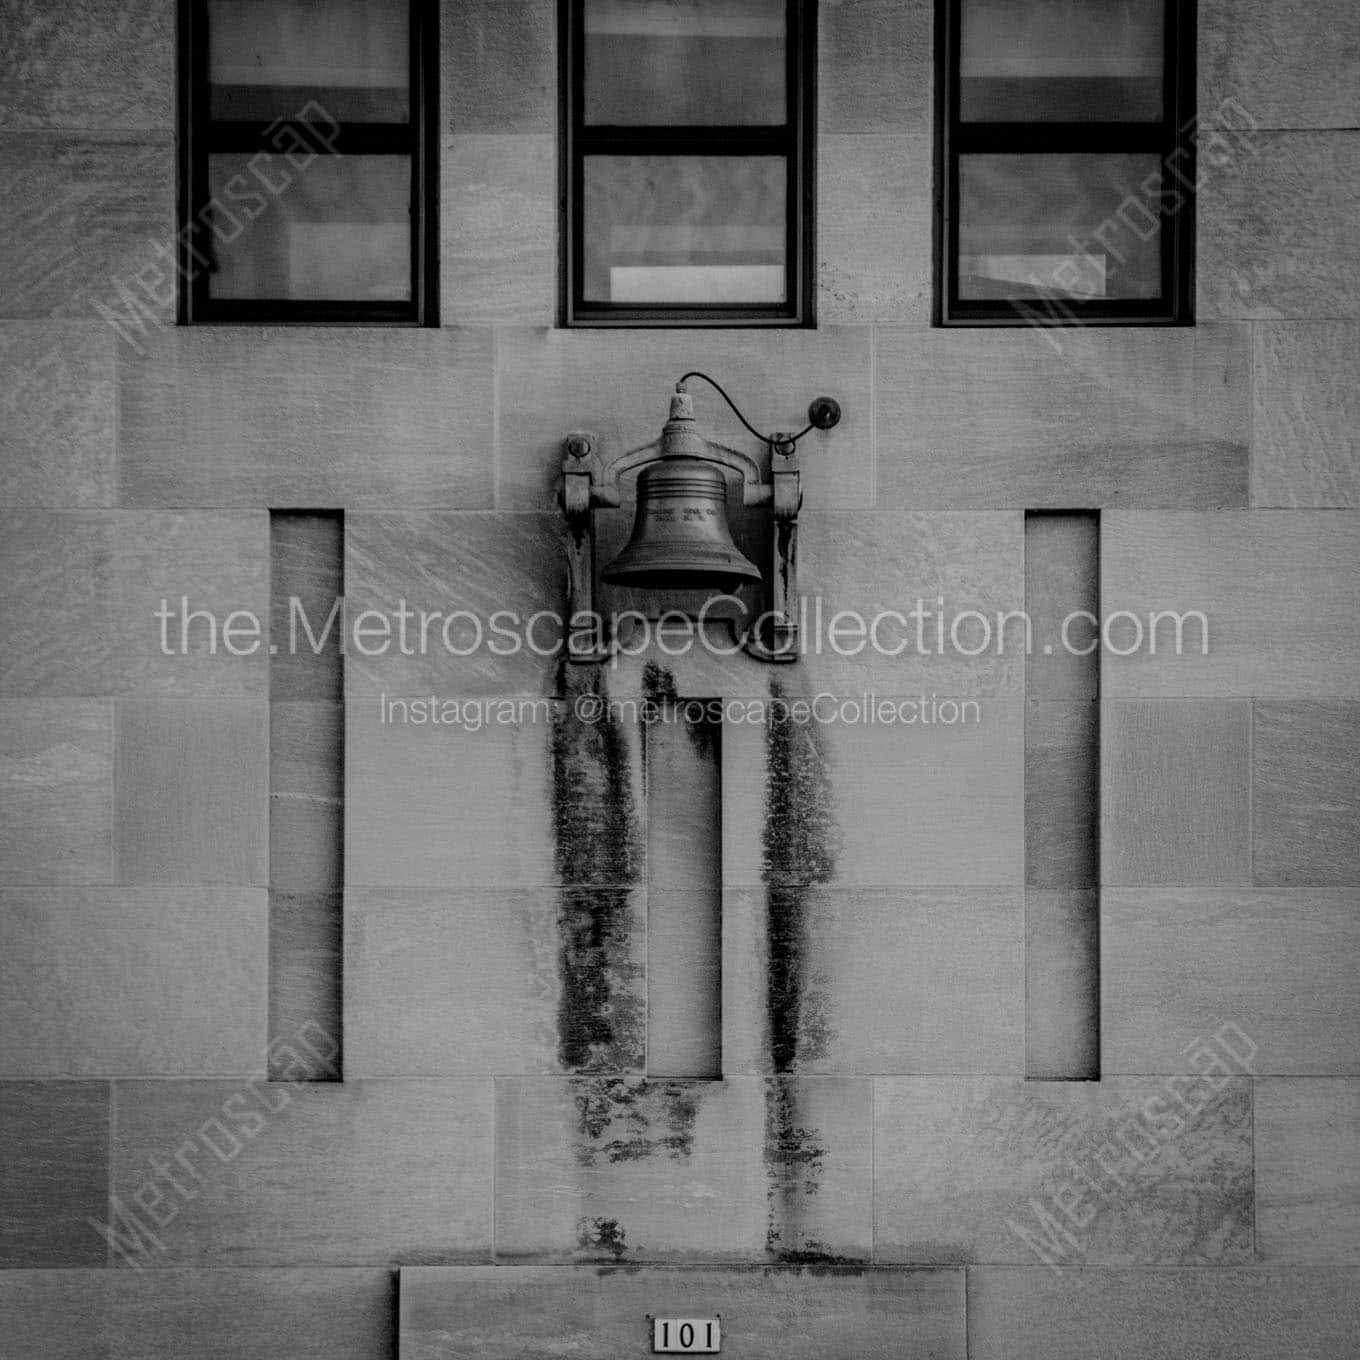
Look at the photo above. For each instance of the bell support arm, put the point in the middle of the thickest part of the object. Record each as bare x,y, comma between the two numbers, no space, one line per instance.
779,641
578,496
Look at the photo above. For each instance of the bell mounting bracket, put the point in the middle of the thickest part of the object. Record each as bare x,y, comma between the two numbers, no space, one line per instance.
589,484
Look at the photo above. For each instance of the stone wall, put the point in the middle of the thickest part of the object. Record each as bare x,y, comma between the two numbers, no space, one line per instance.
500,1168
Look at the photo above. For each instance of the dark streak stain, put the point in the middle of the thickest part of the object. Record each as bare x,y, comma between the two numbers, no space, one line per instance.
597,848
818,1262
793,1154
786,553
702,726
631,1120
600,1236
658,684
800,847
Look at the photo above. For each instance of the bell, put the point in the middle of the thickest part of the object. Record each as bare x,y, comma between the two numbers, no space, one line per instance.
681,539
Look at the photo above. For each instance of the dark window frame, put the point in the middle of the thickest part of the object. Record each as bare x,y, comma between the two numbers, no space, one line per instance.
1172,140
795,141
201,135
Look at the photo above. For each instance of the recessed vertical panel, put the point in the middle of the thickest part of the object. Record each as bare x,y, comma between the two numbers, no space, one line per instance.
306,796
1062,785
684,893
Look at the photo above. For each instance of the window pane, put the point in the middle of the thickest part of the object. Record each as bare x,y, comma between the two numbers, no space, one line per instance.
337,229
269,58
678,62
685,229
1070,226
1061,60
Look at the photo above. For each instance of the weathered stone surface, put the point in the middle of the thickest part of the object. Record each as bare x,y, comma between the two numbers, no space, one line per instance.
1280,63
684,795
1308,1182
1279,589
499,69
54,1175
464,567
1306,793
1062,578
521,794
876,72
1280,965
503,574
359,1173
977,1170
1068,418
883,565
56,791
306,796
534,1312
460,982
1275,225
309,418
57,414
631,1171
81,217
88,65
192,797
684,893
334,1314
869,804
684,983
1221,1314
306,977
617,384
132,981
498,230
1306,443
1175,793
306,578
86,587
873,229
1062,788
873,980
1062,985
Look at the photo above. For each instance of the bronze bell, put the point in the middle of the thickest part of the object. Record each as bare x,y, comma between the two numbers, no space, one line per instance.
681,539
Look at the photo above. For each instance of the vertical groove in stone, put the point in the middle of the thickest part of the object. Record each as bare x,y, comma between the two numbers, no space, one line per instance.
683,751
306,795
1062,782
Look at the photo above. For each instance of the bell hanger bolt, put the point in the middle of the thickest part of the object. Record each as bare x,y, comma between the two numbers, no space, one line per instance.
824,413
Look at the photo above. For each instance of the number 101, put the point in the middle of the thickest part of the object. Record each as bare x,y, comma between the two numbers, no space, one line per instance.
686,1336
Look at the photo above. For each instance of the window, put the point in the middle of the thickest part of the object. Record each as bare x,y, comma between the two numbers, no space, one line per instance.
307,169
1066,161
687,162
